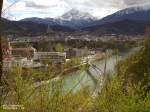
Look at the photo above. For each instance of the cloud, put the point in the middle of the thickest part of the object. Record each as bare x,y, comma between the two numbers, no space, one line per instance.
55,8
34,5
135,2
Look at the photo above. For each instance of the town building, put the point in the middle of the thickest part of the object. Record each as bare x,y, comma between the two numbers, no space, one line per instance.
9,64
23,52
74,52
51,57
6,51
70,53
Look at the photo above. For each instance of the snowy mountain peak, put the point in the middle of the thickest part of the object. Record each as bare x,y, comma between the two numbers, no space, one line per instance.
75,14
134,9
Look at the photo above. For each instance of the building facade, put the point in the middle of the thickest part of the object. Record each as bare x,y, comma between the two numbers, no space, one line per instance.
51,57
74,52
24,52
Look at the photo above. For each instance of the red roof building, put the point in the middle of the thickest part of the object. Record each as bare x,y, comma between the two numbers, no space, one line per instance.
24,52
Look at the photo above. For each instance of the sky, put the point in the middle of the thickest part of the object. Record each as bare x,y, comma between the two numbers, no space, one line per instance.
55,8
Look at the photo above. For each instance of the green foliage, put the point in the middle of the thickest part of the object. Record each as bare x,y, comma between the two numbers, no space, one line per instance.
129,92
73,62
56,102
59,48
17,88
19,45
113,99
137,67
76,61
47,97
59,45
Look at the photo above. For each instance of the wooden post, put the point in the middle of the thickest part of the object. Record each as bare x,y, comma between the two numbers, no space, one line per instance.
105,66
1,58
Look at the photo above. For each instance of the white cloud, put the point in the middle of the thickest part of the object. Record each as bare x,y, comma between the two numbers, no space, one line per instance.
103,12
55,8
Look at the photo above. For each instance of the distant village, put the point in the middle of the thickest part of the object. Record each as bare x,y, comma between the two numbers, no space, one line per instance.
30,57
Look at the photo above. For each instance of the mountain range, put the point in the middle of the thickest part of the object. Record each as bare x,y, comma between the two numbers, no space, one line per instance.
138,13
73,19
129,21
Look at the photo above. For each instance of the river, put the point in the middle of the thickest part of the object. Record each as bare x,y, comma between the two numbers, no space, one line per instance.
81,79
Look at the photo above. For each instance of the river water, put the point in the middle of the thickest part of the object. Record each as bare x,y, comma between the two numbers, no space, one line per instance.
81,79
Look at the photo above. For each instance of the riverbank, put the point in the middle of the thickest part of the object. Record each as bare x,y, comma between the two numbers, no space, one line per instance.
85,63
76,74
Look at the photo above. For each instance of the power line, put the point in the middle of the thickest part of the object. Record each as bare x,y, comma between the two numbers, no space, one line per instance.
3,12
10,6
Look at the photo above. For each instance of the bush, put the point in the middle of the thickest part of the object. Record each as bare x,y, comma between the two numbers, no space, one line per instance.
137,67
114,99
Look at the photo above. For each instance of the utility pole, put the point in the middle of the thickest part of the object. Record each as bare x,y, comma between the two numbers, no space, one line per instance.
1,58
105,64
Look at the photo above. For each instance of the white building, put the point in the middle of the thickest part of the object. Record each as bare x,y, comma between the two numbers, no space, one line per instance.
53,57
9,64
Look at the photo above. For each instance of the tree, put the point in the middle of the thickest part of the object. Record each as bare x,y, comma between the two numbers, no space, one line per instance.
137,67
59,48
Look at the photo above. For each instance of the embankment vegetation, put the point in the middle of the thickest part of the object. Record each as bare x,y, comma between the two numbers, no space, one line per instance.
129,91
